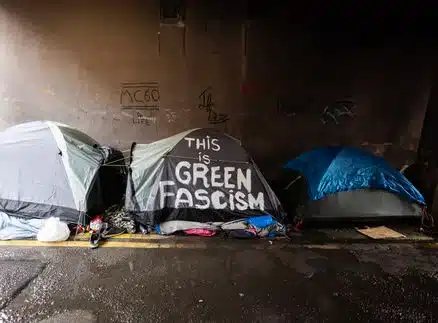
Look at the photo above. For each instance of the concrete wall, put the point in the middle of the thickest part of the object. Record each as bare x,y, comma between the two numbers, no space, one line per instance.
267,81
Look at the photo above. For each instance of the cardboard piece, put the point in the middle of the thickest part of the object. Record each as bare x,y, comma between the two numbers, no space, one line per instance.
381,232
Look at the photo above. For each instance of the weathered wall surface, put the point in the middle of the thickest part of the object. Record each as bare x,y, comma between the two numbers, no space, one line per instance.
266,82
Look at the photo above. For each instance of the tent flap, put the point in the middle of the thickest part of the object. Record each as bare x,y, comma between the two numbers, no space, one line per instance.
81,162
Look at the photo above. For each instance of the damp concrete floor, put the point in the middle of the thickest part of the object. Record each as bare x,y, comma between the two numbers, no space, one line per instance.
222,281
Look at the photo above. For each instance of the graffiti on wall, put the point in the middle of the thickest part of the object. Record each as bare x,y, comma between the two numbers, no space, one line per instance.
140,118
140,96
170,115
206,104
143,99
334,112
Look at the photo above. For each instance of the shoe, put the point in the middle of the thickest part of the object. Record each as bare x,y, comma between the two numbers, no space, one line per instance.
97,227
94,240
112,232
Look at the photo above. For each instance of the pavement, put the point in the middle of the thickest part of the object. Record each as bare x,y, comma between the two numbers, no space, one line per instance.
195,279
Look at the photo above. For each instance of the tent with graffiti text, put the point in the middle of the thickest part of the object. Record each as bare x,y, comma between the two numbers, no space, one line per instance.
198,176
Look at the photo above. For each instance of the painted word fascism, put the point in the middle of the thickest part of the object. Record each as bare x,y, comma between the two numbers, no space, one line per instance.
228,187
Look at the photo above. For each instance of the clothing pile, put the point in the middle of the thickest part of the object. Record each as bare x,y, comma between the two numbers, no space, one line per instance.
113,222
116,217
256,227
259,226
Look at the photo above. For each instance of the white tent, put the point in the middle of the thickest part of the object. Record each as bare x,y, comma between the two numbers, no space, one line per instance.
48,169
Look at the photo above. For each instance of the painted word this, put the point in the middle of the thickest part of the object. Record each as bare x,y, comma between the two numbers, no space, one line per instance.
214,187
203,145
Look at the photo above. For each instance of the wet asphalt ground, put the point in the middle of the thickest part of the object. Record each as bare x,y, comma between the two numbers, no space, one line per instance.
223,281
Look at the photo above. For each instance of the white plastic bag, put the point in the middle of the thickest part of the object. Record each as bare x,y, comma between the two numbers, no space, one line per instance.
53,230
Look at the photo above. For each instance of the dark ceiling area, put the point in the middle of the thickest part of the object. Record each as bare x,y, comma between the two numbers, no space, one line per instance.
354,24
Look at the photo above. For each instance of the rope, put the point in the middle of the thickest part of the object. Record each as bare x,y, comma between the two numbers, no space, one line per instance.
111,162
175,156
184,157
216,160
291,183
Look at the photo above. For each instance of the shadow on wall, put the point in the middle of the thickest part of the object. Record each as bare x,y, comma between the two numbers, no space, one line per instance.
137,80
385,113
387,79
70,72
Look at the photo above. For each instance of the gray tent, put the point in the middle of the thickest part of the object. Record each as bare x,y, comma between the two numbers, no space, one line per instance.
200,175
363,204
48,169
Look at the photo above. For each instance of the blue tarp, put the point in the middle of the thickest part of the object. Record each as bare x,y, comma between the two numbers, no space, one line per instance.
335,169
261,222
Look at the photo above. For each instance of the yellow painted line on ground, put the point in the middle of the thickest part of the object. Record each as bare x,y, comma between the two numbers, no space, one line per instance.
81,236
106,244
151,245
127,236
34,243
135,236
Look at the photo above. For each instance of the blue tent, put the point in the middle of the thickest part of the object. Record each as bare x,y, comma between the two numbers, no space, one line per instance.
340,173
331,170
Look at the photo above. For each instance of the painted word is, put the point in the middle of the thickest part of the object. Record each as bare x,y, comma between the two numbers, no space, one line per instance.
205,144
